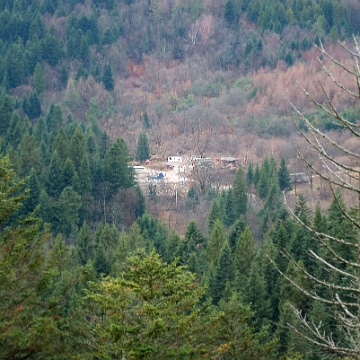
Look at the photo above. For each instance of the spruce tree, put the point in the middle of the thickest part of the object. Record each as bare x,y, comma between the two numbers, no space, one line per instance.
143,149
214,214
224,273
34,286
240,192
216,242
55,183
245,252
84,244
107,78
284,176
38,80
77,148
116,169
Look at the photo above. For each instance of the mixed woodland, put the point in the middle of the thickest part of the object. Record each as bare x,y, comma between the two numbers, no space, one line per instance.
88,267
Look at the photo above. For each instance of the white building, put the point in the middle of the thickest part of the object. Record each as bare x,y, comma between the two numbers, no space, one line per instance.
174,159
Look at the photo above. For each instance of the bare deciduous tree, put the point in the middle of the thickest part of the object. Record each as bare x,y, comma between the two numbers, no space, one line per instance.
340,173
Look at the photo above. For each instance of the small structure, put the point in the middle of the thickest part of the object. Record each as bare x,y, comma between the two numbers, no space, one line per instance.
228,161
174,159
299,178
138,169
203,162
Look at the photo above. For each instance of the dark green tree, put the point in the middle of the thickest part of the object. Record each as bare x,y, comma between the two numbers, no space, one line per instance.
284,176
214,214
116,169
107,78
77,148
55,181
240,192
34,289
38,80
223,275
84,244
143,149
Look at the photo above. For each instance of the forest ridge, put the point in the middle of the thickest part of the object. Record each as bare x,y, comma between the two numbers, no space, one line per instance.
88,269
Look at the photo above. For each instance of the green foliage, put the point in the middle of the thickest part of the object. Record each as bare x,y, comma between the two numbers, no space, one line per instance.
34,283
240,192
284,176
107,78
143,149
236,337
38,80
162,297
116,169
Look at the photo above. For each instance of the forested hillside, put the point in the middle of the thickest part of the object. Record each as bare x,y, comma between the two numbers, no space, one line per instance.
88,268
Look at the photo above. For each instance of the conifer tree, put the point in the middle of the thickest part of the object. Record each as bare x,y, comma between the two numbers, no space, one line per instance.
6,109
78,148
68,217
230,215
235,336
240,192
68,173
107,78
284,176
224,273
38,80
245,252
214,214
235,232
84,244
34,291
116,169
29,154
216,242
143,149
55,183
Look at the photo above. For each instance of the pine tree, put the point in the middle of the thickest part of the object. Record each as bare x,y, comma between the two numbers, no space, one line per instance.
64,75
284,176
68,217
254,293
214,214
101,262
162,297
68,172
107,78
235,232
143,149
116,169
216,242
233,334
29,154
55,183
230,215
6,109
250,174
84,244
240,192
77,148
245,252
84,177
34,291
38,80
224,273
61,145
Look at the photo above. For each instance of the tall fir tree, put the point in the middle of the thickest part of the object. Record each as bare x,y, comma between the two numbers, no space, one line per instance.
284,176
143,149
38,80
240,192
107,78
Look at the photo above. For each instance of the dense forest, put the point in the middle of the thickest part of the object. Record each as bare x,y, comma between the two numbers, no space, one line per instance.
88,267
